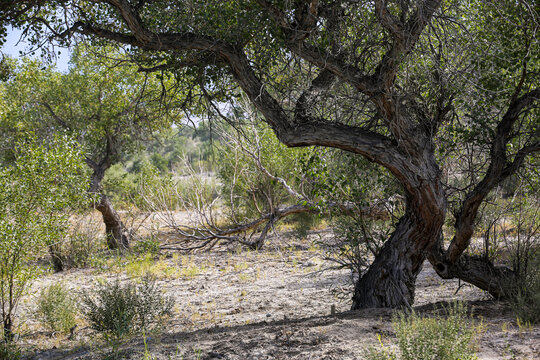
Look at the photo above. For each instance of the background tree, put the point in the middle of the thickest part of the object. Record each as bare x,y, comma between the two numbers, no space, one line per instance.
37,192
381,79
109,107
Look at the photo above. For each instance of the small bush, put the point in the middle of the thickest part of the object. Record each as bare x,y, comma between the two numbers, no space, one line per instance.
121,310
525,301
424,338
148,245
56,308
9,351
152,307
439,338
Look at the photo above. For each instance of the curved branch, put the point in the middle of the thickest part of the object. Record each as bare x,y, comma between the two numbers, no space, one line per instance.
499,169
133,21
404,37
310,131
57,118
478,271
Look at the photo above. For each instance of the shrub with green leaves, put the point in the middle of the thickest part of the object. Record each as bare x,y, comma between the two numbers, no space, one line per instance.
9,351
446,337
525,301
147,245
118,310
56,308
39,189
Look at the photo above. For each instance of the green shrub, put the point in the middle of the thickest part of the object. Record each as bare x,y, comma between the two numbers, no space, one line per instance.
442,338
384,353
56,308
152,307
9,351
431,338
525,301
119,310
147,245
34,213
113,312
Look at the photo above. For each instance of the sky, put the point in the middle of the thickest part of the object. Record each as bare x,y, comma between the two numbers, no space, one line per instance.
12,47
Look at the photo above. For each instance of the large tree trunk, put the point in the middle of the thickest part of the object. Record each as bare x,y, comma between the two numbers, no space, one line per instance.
390,280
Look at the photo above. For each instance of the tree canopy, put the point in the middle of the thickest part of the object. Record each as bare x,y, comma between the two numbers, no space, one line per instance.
410,85
109,107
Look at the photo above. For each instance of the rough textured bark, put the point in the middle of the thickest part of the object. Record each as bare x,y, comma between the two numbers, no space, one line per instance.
117,233
390,280
499,281
118,236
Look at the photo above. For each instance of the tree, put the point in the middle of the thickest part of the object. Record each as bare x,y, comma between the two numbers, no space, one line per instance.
37,192
107,107
393,81
262,182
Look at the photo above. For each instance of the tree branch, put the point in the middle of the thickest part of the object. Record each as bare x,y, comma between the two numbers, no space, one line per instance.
387,20
404,37
373,146
498,170
58,119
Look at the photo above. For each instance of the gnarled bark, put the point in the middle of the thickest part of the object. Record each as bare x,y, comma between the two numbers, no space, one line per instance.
118,236
390,280
499,281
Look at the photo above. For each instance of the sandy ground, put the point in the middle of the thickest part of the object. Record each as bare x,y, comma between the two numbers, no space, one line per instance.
272,304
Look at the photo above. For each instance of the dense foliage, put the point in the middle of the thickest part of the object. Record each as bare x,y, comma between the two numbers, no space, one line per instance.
38,191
